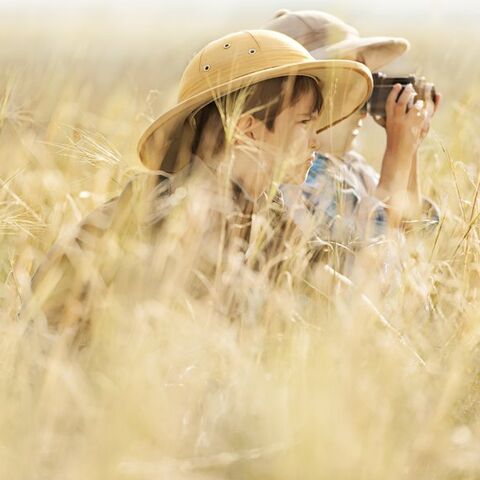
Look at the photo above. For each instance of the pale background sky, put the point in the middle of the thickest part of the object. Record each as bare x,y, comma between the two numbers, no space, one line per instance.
413,10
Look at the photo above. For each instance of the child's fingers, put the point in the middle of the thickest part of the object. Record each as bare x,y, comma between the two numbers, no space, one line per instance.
410,102
419,105
418,115
392,99
405,98
418,110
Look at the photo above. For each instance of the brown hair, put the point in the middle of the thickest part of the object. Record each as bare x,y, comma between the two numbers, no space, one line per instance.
265,100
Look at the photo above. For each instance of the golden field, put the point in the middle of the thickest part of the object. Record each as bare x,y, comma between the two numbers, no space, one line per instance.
301,388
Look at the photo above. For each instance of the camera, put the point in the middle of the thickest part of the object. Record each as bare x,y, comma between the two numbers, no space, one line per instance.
383,84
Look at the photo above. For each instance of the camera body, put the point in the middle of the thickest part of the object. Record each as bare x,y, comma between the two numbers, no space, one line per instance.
382,86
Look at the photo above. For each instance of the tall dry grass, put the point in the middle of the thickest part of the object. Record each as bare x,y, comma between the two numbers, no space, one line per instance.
301,385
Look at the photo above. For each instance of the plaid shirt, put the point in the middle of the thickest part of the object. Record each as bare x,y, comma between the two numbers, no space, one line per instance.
338,196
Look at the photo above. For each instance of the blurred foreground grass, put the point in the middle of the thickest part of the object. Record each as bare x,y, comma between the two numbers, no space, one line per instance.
167,389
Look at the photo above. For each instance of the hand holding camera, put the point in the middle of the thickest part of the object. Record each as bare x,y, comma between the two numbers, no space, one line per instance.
382,88
406,121
408,110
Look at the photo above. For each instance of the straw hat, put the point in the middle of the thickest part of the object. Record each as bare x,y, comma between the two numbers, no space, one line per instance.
242,59
326,36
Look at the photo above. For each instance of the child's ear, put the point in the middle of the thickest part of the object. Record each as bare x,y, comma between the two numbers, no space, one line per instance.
246,127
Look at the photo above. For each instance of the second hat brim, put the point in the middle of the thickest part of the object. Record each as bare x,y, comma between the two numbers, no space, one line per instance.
378,51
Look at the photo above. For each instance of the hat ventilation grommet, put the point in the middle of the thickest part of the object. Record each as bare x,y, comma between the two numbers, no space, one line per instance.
227,45
252,51
206,68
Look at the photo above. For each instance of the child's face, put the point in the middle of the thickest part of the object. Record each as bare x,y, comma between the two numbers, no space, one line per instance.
295,137
284,153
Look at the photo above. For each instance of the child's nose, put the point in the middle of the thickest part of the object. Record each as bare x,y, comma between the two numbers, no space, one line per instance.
313,141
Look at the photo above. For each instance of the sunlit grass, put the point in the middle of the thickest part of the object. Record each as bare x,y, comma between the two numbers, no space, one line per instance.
330,379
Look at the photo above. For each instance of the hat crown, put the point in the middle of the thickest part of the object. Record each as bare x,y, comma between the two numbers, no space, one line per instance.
236,55
312,28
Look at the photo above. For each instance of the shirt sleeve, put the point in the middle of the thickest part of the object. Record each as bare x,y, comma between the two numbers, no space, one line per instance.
343,212
62,283
430,213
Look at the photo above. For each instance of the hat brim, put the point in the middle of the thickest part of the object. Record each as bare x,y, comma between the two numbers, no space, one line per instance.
379,51
346,86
